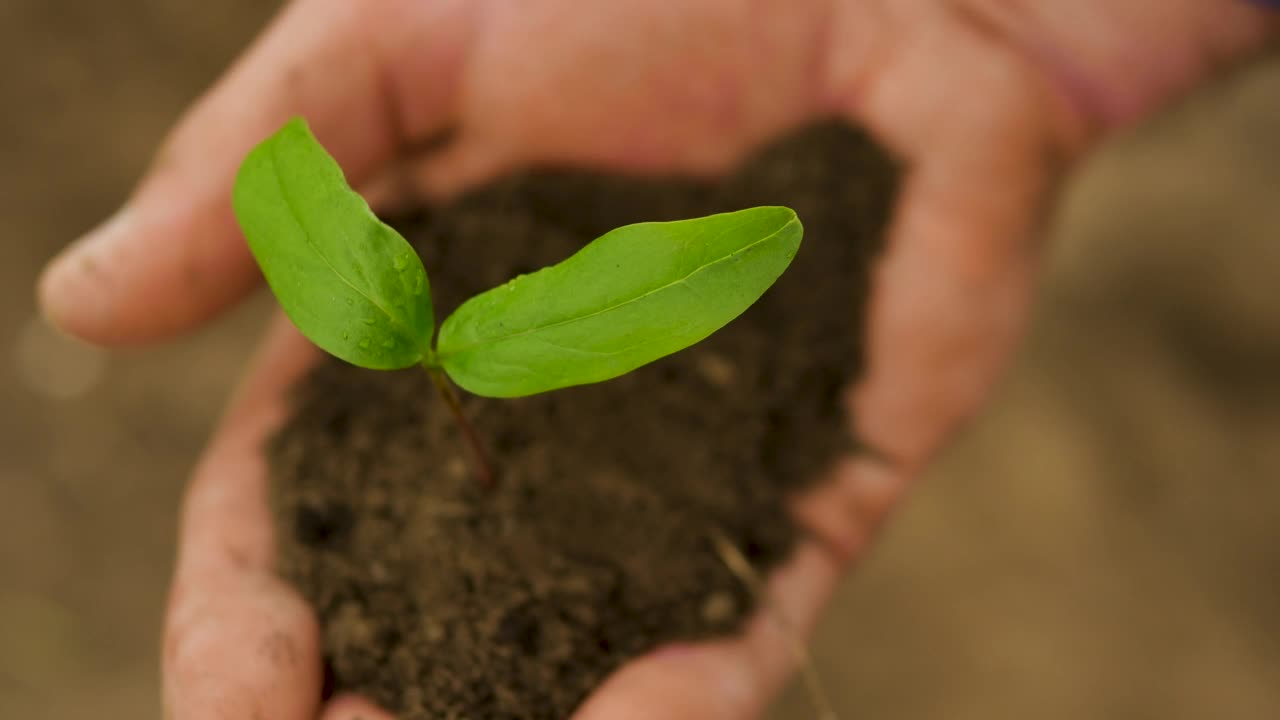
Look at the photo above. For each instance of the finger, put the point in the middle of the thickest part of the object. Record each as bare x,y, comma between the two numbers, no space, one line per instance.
852,505
349,707
951,294
238,641
729,679
173,256
466,163
949,301
737,678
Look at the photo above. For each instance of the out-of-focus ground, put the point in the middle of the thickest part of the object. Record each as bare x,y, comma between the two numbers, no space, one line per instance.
1104,543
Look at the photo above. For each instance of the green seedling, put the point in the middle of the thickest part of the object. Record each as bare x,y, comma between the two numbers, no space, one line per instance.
356,288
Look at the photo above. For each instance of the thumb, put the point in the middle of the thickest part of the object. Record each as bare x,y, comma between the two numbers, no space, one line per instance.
173,257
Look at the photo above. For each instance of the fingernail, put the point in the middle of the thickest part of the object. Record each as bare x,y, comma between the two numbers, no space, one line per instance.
75,291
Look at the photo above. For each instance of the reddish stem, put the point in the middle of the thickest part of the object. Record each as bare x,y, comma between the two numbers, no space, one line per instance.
484,470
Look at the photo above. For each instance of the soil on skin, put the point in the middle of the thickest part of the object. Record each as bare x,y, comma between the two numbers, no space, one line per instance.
439,600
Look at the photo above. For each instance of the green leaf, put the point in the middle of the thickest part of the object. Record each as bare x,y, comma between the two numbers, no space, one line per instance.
632,296
349,282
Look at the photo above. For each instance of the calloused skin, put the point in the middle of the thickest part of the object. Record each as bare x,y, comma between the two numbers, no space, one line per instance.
986,102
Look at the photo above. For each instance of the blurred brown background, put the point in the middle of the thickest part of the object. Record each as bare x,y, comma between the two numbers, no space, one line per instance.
1104,543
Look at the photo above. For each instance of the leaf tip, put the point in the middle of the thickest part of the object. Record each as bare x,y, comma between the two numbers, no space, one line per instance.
789,225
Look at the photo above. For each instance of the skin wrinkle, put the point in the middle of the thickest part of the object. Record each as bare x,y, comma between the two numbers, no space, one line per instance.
726,119
847,67
421,96
1010,24
1084,51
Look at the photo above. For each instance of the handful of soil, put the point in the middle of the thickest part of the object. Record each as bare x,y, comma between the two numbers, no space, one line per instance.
438,599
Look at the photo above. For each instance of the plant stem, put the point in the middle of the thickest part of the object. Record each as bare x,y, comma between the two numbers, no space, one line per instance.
484,471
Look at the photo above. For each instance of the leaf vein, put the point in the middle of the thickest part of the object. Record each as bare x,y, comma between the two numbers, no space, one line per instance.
291,204
624,303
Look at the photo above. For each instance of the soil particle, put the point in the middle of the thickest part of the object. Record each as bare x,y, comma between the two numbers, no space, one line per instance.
438,599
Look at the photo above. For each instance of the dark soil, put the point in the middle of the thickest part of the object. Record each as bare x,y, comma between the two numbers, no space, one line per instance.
439,600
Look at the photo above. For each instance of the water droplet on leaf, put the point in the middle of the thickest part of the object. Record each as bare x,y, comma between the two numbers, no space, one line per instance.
368,320
364,344
389,343
401,262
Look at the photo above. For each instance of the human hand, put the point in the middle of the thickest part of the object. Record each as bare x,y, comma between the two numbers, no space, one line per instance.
986,102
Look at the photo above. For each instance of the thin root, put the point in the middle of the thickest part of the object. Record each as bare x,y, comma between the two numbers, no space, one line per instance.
742,569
